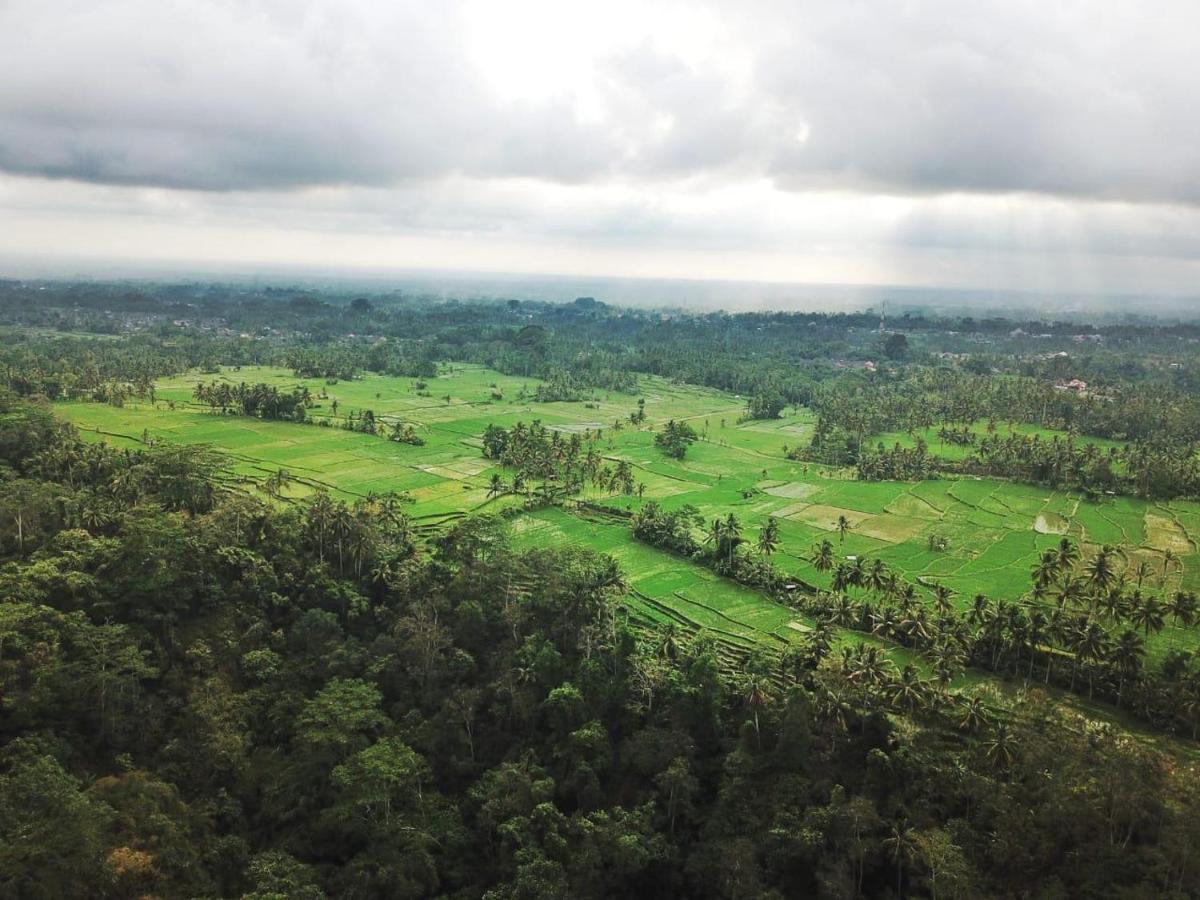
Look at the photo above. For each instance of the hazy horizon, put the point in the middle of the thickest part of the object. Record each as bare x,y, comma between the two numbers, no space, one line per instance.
646,293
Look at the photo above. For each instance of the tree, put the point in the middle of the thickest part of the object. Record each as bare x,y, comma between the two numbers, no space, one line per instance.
678,786
276,874
974,716
768,537
902,848
758,687
675,438
381,780
843,526
1126,658
908,691
894,345
822,557
1148,615
1099,569
496,485
340,718
1182,609
1000,749
50,833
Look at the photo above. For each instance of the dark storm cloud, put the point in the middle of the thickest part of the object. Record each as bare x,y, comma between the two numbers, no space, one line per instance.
1085,99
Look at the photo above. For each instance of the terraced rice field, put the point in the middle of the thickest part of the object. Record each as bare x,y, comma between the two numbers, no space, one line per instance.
994,530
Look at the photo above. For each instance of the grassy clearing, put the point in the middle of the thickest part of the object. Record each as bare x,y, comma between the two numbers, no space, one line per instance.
946,450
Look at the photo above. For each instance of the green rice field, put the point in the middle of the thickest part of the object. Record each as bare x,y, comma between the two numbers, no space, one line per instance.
993,530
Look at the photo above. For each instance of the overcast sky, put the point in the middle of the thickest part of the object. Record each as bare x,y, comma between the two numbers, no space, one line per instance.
1032,145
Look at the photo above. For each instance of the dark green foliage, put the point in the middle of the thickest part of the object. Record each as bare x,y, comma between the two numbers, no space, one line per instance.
204,695
675,438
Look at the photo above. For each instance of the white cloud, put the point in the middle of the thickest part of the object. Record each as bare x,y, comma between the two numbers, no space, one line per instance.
854,140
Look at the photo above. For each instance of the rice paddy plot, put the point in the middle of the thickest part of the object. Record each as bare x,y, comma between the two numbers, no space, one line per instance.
974,534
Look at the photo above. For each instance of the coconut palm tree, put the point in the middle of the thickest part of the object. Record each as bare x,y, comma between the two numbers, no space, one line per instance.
1126,658
668,642
716,533
822,558
768,537
1147,615
980,610
869,666
1168,558
843,525
1090,644
1099,569
877,578
1044,572
1182,608
942,599
901,848
973,716
909,690
1141,573
733,534
1001,748
842,578
1112,605
757,685
1068,555
496,485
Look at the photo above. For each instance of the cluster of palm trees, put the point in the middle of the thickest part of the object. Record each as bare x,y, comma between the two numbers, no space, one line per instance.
357,536
264,401
537,453
1082,621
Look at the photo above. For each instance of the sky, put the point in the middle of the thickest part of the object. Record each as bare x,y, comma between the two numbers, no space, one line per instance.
1040,146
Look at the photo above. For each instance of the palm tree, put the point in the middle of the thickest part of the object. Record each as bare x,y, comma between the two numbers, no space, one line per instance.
1044,572
1141,573
716,532
1112,605
496,486
871,666
843,525
1126,658
1000,749
908,691
1100,572
321,512
974,715
842,578
1148,615
733,534
901,848
822,558
1182,608
758,685
768,537
941,598
878,576
1168,558
668,644
1090,644
980,610
1068,555
846,613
